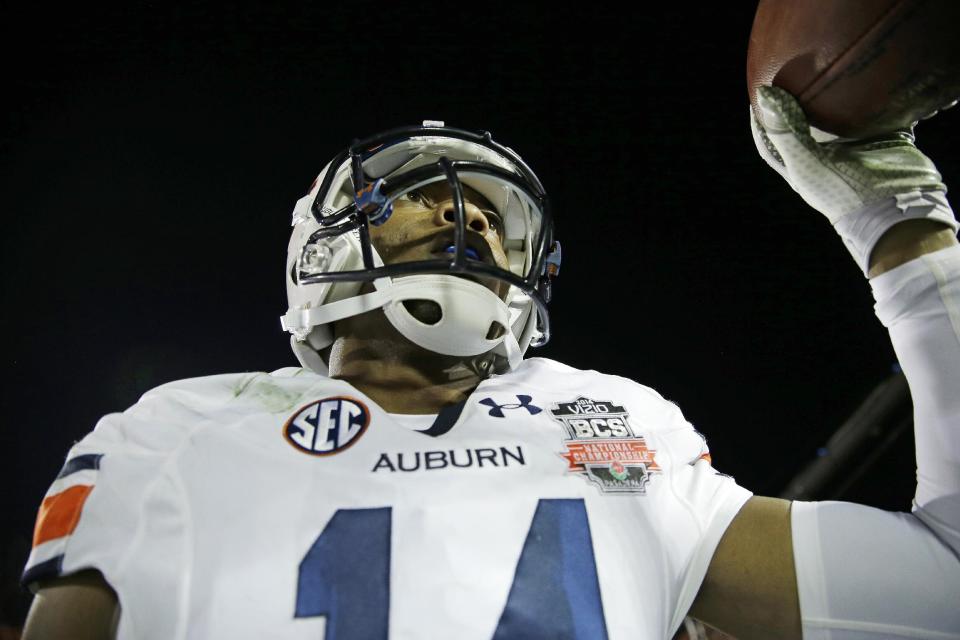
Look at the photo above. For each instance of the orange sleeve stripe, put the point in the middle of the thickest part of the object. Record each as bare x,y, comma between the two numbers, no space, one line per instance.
706,457
60,513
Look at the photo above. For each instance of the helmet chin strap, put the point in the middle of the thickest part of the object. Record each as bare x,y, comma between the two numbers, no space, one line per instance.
468,312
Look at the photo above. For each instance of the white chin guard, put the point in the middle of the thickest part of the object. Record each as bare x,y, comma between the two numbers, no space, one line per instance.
470,314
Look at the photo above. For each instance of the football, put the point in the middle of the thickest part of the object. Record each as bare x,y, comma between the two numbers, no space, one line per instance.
859,68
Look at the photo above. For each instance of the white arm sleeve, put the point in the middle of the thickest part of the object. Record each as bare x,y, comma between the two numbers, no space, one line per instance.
919,303
865,573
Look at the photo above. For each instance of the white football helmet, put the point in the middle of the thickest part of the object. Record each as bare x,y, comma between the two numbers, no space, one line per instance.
330,252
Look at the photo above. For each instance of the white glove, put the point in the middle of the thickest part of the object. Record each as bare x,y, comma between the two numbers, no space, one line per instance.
862,187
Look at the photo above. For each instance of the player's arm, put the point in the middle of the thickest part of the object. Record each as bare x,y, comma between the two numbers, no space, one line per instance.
842,570
81,606
750,590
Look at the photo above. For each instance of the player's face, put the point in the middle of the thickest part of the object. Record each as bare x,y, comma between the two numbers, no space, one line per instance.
422,228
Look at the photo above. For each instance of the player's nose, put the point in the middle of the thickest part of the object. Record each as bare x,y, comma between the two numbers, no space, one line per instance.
473,217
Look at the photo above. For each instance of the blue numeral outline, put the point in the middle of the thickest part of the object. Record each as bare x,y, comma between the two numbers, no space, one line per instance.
345,576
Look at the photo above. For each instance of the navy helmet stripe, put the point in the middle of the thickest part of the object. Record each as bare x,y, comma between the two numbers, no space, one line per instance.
79,463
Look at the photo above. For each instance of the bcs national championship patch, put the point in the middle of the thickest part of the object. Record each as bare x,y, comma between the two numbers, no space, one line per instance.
602,446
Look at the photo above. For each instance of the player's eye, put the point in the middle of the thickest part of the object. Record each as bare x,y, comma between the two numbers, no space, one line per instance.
417,197
494,220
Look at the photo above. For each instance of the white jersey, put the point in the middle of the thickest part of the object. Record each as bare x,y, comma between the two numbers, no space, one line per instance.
553,503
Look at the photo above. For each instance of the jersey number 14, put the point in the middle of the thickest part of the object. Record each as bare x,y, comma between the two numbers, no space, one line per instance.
555,592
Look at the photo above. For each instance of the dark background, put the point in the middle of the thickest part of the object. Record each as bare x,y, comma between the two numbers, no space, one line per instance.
151,159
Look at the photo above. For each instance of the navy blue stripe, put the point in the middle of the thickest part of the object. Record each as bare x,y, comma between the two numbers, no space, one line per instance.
48,569
445,420
79,463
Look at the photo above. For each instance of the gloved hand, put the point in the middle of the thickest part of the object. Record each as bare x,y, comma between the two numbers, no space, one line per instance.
862,187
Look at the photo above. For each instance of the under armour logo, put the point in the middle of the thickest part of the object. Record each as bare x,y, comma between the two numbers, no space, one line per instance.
496,410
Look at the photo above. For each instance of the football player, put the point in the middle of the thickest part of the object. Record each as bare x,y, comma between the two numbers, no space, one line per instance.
417,478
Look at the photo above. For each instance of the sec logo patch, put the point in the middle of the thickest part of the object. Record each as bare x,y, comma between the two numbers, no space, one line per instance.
327,426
